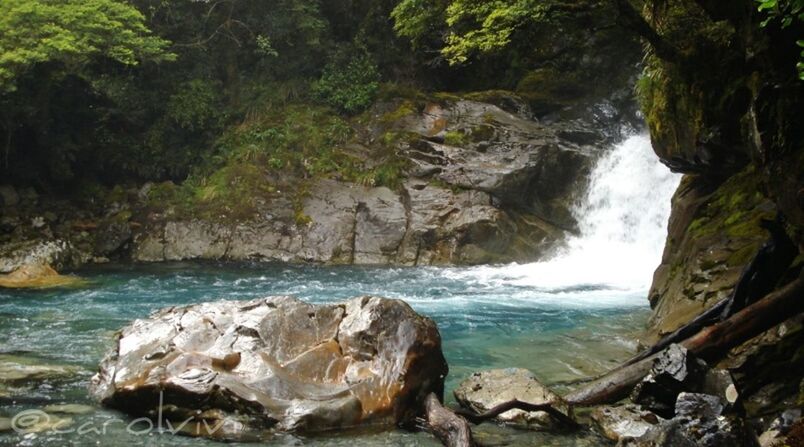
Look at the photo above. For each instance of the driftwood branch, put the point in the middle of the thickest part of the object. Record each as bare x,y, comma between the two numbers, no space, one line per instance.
757,279
477,418
451,429
710,343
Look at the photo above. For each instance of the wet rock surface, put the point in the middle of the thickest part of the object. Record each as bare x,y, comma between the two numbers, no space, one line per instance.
276,363
674,371
486,389
37,276
624,421
484,185
700,420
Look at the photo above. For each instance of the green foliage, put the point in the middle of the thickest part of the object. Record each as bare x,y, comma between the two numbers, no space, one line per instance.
485,27
196,105
477,27
298,140
417,19
455,138
786,13
72,33
348,84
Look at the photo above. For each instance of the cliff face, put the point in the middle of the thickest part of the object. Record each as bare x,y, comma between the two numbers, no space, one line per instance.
726,113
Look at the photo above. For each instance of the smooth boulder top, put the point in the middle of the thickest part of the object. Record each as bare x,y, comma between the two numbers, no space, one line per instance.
486,389
276,363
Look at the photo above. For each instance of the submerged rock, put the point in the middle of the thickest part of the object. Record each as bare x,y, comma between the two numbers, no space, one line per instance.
37,276
69,409
276,363
17,371
486,389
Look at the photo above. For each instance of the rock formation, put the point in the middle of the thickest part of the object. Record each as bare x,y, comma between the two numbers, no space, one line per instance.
276,363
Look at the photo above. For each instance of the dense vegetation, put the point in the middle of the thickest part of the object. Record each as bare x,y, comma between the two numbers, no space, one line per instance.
111,91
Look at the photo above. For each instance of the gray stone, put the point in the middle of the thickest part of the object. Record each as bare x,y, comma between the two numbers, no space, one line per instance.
623,421
17,370
111,236
674,371
277,363
69,409
486,389
59,254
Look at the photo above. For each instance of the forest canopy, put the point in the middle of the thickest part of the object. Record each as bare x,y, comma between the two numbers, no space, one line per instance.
141,90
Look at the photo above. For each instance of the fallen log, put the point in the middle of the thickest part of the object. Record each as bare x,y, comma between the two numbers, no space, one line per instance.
710,343
477,418
757,279
451,429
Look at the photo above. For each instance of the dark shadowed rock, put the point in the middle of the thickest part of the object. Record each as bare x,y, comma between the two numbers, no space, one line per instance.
111,236
486,389
674,371
701,420
276,363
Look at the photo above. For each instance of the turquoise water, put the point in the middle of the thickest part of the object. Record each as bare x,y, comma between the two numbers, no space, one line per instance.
486,318
572,316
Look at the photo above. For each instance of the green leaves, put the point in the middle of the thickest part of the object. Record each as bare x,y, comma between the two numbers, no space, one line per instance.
348,84
472,26
72,32
786,12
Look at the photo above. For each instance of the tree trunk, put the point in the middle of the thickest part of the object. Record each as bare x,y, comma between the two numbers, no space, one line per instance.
711,343
451,429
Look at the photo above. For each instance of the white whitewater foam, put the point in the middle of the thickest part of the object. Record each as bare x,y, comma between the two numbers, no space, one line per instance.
623,223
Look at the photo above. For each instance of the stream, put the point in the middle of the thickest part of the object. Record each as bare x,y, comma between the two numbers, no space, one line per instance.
574,315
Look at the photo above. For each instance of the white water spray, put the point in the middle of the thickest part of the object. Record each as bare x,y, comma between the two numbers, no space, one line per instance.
623,223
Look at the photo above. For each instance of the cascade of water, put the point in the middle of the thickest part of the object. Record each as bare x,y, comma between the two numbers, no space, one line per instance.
623,223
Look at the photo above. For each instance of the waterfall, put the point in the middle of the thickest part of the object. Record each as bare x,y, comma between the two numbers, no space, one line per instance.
623,226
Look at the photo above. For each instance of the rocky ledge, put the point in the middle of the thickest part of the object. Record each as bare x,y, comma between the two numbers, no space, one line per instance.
275,364
480,181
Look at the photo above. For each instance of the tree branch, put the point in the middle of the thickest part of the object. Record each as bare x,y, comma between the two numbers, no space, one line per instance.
451,429
477,418
631,18
710,343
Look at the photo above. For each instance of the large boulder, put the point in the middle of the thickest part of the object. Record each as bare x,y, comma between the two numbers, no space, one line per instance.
276,363
57,253
484,390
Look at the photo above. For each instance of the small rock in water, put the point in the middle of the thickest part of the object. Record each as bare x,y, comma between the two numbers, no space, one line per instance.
69,409
15,370
37,276
623,421
5,424
486,389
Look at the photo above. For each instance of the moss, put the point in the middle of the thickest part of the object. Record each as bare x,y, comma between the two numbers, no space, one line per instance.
405,109
445,97
742,256
455,138
490,96
483,132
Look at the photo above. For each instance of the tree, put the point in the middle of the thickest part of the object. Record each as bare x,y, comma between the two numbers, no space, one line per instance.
72,33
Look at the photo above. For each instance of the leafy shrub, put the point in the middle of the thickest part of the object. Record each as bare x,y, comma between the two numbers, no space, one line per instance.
348,84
